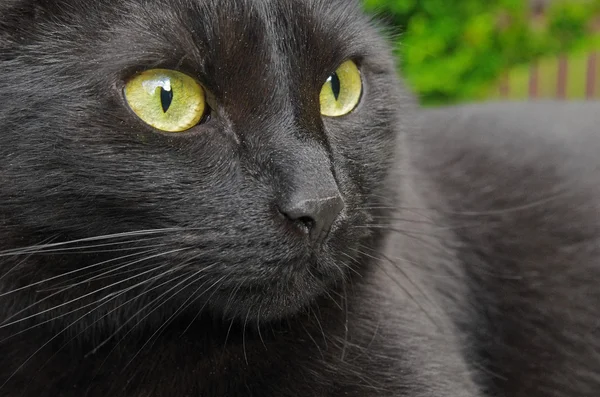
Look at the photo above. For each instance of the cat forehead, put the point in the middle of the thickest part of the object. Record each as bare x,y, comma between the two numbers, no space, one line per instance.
202,29
217,16
294,23
233,41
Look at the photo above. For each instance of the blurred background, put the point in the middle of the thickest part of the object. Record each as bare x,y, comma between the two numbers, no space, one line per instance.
453,51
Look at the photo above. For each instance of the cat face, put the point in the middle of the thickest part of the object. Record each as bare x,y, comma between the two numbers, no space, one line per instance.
255,210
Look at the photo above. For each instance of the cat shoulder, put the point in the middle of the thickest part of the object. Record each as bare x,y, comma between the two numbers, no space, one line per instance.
510,154
518,187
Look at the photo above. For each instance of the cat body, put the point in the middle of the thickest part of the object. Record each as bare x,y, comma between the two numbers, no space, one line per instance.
462,260
517,183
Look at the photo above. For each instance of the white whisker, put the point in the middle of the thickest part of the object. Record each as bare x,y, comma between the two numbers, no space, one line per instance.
74,272
4,325
171,317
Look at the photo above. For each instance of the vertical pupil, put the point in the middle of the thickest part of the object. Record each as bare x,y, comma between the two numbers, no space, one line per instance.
336,86
166,97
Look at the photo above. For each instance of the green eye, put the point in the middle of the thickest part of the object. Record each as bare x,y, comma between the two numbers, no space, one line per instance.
166,99
342,90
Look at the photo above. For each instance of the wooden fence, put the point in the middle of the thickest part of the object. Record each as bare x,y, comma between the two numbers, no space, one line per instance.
562,78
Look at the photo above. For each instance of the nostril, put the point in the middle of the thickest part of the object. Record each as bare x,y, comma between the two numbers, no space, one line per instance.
306,221
302,222
313,216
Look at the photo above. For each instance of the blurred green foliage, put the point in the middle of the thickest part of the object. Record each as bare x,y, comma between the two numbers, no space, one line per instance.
455,50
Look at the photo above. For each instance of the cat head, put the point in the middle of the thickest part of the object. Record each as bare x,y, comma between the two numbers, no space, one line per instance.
260,201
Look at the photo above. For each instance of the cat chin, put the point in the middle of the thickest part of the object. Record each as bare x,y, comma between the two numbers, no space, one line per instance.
272,303
263,309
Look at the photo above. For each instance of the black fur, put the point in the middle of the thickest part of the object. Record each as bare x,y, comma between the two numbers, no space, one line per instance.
135,263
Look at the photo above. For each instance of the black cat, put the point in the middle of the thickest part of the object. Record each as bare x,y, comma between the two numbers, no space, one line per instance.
238,198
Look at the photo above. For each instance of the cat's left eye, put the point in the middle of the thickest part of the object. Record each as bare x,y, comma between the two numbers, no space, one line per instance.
342,91
166,99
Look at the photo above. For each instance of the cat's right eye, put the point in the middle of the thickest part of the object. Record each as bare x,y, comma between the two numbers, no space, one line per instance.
167,100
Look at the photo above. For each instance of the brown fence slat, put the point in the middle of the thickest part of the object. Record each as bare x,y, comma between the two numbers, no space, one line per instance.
561,83
533,80
505,86
590,84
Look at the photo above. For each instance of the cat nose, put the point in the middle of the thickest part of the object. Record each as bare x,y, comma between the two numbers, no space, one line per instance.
315,213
